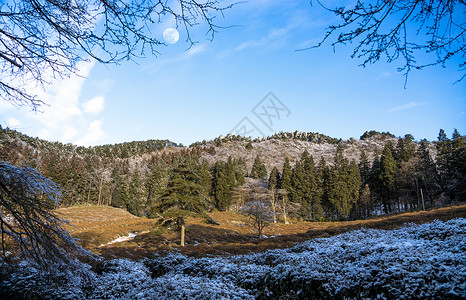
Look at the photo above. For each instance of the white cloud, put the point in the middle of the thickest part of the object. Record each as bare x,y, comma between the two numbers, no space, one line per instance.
13,123
5,106
95,105
273,38
93,135
68,133
191,52
195,50
384,75
63,99
405,106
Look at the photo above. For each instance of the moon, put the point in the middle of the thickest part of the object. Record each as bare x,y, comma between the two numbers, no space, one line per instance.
171,35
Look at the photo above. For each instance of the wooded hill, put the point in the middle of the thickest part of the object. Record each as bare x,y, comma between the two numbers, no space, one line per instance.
322,177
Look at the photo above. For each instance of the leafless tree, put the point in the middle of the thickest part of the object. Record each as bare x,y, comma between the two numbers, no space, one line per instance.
402,29
28,225
45,39
238,196
259,215
257,206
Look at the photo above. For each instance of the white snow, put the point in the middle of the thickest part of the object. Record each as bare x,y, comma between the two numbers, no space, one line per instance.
414,261
120,239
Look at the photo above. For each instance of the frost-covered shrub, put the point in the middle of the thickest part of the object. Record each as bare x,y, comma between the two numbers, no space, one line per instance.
415,261
25,281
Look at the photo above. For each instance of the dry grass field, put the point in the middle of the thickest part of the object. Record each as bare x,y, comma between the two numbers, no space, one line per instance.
97,228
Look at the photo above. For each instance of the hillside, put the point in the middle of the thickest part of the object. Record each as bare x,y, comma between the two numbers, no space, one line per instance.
18,148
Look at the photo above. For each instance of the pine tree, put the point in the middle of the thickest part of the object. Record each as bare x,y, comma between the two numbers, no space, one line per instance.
285,180
405,148
155,187
311,189
255,170
274,179
137,202
121,196
354,184
364,167
221,186
429,179
451,163
387,174
258,170
298,189
344,183
458,158
363,207
184,196
323,188
262,172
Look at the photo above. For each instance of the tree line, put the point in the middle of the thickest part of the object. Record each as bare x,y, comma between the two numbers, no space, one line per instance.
406,176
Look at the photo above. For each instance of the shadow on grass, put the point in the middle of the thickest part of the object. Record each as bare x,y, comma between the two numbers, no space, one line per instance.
205,240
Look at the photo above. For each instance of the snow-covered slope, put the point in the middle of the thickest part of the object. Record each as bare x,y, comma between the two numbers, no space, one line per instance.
415,261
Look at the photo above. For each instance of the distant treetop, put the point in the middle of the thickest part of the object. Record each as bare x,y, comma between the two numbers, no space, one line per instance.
369,134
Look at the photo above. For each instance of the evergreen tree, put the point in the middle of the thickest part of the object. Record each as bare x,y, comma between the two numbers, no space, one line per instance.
429,179
311,189
364,167
274,179
205,176
137,201
323,185
221,186
226,176
258,170
363,207
344,183
285,180
386,176
447,160
298,189
262,172
405,148
184,196
255,170
156,186
458,159
121,195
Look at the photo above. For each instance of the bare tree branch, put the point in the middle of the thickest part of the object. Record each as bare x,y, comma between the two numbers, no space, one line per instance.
45,39
402,29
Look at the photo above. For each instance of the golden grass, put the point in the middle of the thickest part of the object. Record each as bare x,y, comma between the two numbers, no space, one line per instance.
97,225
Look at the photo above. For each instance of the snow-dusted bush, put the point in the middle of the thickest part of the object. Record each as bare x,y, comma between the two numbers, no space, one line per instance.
415,261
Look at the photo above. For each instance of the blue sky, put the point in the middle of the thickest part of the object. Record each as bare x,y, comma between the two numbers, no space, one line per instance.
188,95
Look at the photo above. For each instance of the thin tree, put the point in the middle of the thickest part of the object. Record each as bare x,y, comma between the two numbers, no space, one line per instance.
257,208
274,179
259,215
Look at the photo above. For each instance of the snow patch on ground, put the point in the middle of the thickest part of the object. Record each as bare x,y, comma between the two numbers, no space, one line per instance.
120,239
